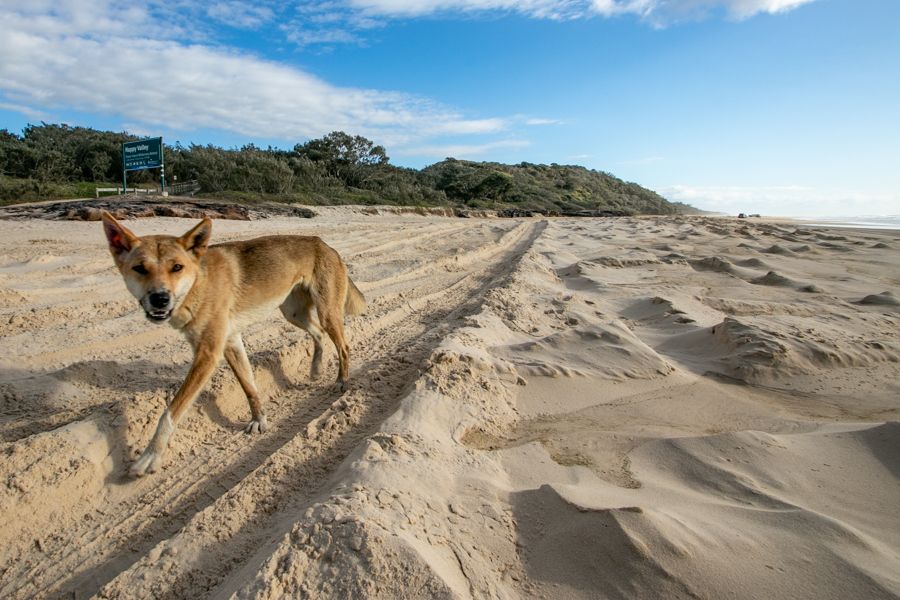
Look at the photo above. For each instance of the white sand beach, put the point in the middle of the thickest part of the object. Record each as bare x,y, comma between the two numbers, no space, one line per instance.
655,407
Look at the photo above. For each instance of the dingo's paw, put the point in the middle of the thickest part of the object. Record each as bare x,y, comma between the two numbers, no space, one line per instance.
257,426
149,462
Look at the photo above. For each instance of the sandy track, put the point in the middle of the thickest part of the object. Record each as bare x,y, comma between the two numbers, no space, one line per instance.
313,426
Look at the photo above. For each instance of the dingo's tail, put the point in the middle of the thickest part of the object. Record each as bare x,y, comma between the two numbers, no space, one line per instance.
356,302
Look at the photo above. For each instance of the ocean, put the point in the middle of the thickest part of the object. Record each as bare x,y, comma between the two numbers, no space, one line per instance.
867,222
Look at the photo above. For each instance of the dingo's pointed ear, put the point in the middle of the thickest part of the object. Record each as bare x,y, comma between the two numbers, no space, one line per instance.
197,239
120,239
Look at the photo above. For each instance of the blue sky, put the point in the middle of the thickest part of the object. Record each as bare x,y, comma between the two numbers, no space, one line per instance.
788,107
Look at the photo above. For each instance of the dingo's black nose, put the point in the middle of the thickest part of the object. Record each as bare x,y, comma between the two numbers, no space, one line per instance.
159,299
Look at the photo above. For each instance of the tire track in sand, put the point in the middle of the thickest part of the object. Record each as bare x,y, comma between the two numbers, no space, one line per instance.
282,468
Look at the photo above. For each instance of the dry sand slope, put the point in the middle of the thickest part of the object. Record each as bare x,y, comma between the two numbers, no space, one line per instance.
613,408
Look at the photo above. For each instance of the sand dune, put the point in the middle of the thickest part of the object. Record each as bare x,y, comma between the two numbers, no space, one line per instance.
594,408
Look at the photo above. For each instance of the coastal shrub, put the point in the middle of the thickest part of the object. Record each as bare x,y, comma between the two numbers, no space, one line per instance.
51,161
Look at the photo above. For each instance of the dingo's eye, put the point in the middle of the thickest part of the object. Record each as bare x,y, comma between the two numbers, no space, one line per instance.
139,269
176,268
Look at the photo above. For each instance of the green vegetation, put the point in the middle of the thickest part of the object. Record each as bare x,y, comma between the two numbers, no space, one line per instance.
58,161
559,188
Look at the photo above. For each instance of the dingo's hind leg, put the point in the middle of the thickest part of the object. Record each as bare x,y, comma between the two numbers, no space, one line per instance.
330,297
334,326
298,310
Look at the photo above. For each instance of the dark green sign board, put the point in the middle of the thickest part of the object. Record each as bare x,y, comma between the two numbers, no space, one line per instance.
143,154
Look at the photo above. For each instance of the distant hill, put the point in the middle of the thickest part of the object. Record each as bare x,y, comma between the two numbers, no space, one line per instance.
51,161
560,188
687,209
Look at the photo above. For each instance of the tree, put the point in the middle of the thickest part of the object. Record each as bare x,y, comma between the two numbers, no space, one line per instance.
495,186
352,159
13,160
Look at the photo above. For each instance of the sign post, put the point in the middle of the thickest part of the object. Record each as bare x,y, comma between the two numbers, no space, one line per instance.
143,154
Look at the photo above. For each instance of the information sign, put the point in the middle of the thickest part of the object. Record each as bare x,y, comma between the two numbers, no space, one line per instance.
143,154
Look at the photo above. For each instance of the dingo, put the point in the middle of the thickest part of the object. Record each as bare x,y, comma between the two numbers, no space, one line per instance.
210,292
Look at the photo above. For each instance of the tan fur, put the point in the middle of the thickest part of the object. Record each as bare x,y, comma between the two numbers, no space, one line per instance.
210,293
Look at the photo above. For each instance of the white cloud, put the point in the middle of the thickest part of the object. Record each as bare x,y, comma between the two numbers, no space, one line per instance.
536,121
654,10
468,127
667,12
460,150
609,8
542,9
314,21
240,14
31,113
324,37
748,8
786,200
121,62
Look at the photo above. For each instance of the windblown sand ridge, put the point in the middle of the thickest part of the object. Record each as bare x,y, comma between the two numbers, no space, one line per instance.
538,408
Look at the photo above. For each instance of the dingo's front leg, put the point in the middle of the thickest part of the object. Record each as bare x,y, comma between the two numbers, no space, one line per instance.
207,354
236,356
